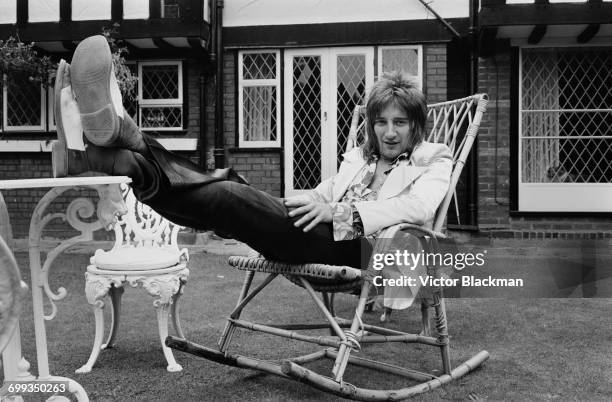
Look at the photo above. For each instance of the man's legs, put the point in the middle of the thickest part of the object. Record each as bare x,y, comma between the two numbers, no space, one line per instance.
173,185
257,219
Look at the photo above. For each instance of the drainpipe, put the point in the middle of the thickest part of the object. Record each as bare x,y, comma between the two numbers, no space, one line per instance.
219,151
473,75
203,123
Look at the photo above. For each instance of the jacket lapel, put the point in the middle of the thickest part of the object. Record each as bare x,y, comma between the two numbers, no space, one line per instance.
352,163
400,178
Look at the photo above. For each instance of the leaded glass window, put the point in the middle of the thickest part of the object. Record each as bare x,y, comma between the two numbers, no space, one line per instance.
408,59
258,93
566,115
160,95
23,105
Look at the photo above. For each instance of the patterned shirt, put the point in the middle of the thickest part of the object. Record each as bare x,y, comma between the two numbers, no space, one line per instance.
346,221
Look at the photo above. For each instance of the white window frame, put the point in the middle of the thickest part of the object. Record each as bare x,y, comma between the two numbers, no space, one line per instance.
173,102
418,48
242,83
43,112
556,197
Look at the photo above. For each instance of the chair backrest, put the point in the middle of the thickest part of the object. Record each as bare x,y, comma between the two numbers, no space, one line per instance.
454,123
142,226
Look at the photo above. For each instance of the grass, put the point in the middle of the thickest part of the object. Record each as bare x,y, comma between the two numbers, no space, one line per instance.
541,349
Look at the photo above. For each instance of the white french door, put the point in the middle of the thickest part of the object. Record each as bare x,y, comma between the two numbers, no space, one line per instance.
322,87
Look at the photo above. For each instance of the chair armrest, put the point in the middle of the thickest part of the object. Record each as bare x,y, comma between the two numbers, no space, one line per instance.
420,230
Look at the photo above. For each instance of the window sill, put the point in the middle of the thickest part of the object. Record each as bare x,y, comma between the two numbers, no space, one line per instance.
549,214
254,149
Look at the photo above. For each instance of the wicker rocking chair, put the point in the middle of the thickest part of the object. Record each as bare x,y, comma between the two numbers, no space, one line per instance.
454,123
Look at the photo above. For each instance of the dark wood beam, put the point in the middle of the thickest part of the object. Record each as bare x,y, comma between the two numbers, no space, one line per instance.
487,40
116,10
536,35
128,29
22,12
195,43
342,33
550,14
492,3
588,33
162,44
65,8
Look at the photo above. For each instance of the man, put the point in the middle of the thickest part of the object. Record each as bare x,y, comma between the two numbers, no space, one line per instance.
396,177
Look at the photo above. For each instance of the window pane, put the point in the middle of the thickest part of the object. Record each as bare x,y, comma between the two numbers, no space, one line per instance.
259,66
23,103
566,115
350,92
160,82
307,124
259,113
161,117
406,60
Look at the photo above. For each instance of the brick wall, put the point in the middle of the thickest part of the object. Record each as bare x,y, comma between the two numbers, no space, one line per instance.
261,169
494,134
494,164
20,203
435,85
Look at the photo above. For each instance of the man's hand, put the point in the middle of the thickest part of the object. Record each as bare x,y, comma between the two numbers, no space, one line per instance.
313,212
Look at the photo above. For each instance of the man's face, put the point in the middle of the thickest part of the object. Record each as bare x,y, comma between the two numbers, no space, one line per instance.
393,130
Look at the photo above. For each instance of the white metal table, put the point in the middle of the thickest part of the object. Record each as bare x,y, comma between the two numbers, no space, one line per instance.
79,215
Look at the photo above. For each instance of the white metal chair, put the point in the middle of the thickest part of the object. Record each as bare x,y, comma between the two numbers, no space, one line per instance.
454,123
145,254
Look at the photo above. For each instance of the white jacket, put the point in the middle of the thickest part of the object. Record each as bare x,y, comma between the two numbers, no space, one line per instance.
411,194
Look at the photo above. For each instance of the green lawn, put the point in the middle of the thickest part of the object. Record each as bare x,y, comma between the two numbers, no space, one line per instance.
541,349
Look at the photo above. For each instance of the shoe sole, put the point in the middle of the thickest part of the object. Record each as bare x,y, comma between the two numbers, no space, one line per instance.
90,75
59,154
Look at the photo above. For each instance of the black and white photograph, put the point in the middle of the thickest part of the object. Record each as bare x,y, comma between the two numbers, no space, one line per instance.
305,200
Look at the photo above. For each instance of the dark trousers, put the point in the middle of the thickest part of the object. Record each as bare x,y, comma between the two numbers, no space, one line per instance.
188,195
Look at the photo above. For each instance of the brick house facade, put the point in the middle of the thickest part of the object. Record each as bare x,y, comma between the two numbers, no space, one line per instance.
249,28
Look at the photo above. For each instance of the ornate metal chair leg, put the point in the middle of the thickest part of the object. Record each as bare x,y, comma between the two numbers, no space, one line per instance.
97,346
174,312
96,289
115,295
162,324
